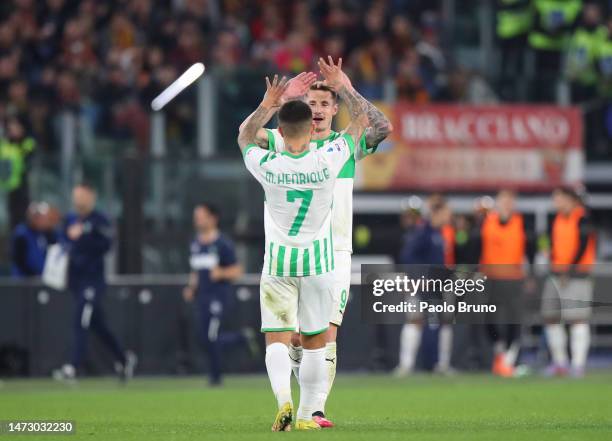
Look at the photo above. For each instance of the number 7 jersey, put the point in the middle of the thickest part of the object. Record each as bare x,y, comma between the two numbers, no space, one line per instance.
299,192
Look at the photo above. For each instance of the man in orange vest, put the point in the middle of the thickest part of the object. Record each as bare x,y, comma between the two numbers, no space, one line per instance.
506,245
568,291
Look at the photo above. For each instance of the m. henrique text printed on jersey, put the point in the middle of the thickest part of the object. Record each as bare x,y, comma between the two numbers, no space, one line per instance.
297,178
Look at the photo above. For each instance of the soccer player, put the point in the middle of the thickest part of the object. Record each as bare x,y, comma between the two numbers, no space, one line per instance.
297,278
568,292
87,235
323,102
213,267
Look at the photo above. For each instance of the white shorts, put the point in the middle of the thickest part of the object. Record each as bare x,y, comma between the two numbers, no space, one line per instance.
570,301
288,301
342,285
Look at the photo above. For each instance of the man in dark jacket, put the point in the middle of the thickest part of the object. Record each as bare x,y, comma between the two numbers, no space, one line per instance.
30,239
87,234
425,246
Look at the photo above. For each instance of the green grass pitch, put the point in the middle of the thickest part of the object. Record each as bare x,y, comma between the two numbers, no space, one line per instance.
466,407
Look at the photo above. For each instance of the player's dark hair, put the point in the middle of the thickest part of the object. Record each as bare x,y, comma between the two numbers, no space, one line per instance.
295,118
211,208
320,85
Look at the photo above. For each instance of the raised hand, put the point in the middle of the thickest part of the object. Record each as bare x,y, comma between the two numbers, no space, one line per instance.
274,91
299,86
334,77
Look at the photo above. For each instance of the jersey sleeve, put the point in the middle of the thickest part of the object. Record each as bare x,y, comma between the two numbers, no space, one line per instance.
254,158
275,140
338,151
362,149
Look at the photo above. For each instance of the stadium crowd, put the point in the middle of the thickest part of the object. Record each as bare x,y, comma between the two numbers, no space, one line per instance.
108,59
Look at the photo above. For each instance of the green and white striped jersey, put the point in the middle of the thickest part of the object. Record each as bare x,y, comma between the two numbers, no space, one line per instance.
297,211
342,212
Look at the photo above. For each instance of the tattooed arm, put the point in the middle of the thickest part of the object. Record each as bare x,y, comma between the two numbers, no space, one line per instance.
255,121
379,127
358,112
261,136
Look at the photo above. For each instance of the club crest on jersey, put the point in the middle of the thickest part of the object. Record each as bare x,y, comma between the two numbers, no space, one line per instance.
334,146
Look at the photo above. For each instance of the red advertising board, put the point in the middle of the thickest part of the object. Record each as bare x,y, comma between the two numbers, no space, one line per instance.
479,148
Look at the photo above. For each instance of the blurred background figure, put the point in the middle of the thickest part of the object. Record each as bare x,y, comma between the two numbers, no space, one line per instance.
568,292
31,238
410,219
214,267
582,68
514,20
426,246
506,244
553,23
582,54
15,149
87,235
467,245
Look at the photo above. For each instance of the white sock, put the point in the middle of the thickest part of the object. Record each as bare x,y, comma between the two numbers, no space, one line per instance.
313,382
295,355
410,340
331,361
557,343
445,346
580,339
512,354
279,372
499,347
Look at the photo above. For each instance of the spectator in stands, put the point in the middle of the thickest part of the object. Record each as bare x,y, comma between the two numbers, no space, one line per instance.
602,115
17,102
514,20
433,58
553,23
335,46
53,16
402,35
466,87
370,65
30,240
410,78
295,55
15,149
581,70
105,60
604,62
582,54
